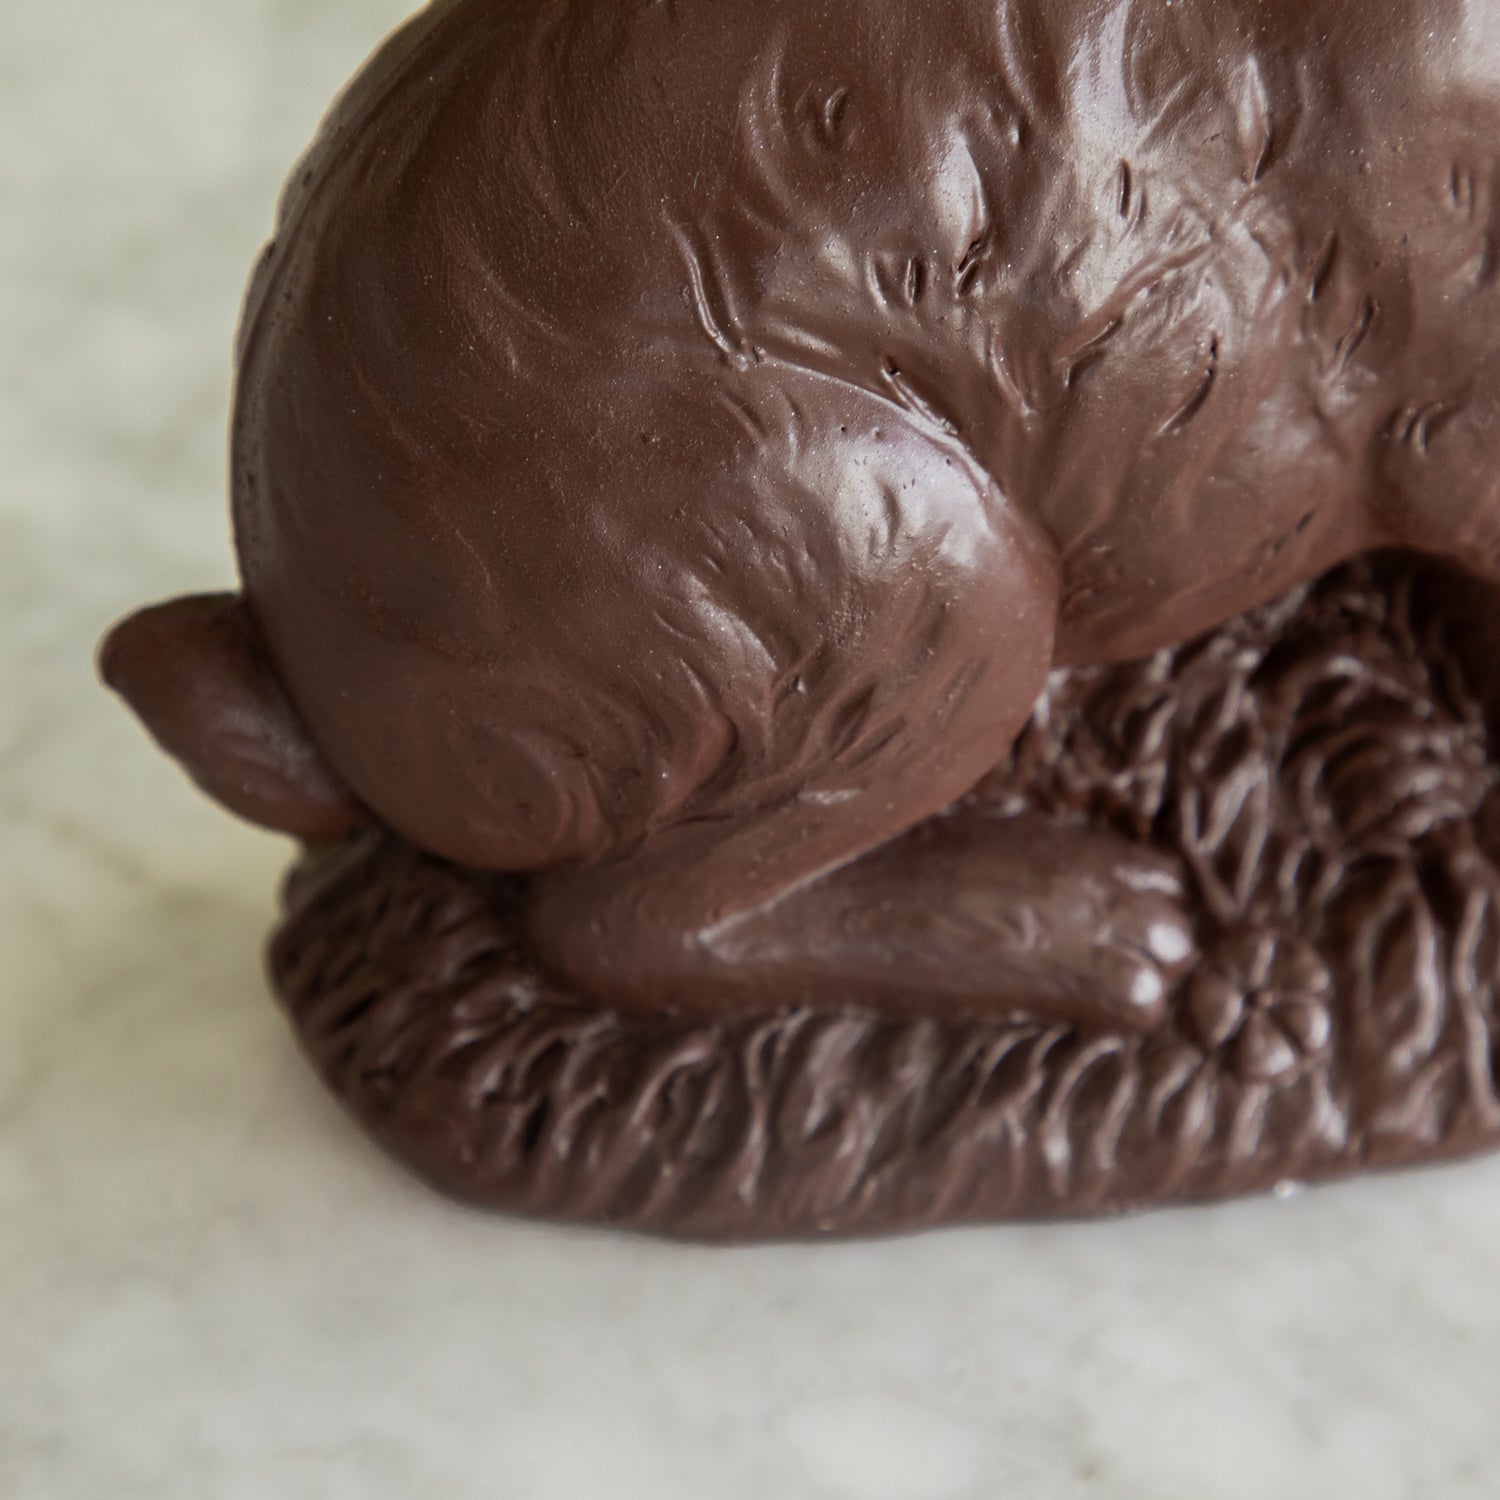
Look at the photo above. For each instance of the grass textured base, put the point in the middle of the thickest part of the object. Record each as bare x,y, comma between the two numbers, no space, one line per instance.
1321,768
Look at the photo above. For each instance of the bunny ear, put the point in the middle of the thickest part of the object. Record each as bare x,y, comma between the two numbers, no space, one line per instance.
197,674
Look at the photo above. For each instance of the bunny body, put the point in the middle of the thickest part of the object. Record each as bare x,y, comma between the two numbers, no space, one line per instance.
675,441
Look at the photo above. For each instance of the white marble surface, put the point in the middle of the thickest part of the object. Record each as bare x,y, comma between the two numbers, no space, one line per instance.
210,1286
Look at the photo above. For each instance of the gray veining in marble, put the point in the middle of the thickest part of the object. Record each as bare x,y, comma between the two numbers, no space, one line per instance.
210,1286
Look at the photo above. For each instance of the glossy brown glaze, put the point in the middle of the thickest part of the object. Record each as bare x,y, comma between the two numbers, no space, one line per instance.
675,441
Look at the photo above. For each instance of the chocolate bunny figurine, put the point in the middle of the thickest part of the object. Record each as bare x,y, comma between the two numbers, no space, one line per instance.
675,442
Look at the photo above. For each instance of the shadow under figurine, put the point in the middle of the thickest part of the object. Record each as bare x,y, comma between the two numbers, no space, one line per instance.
722,494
